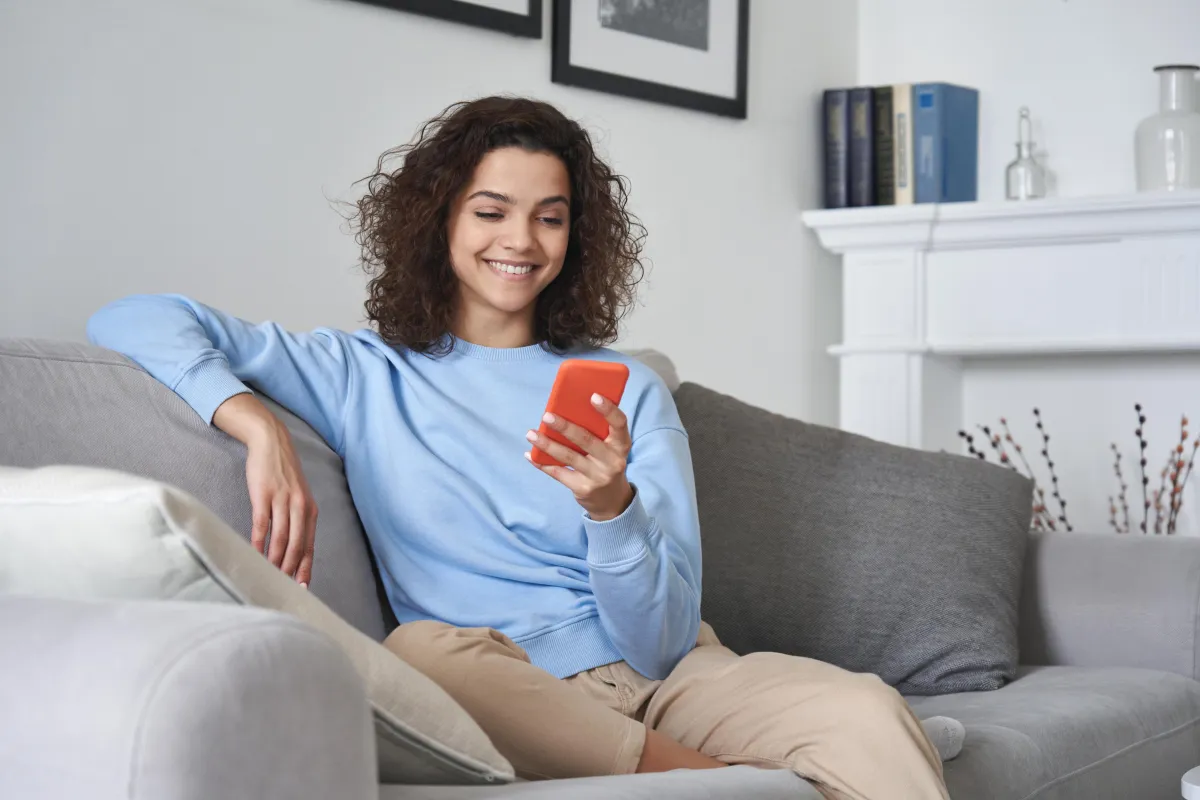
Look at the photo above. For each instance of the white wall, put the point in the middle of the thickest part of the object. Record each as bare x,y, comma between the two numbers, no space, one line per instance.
1082,66
192,146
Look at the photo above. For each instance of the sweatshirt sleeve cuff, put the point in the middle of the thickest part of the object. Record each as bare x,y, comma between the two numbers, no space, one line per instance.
622,538
207,385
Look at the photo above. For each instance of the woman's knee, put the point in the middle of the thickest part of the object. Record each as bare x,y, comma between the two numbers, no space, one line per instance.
428,645
867,701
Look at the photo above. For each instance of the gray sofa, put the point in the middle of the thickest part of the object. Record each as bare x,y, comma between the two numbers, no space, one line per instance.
1106,705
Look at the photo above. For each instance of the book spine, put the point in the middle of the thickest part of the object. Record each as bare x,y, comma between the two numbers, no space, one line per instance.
883,157
836,120
902,136
862,138
961,177
928,132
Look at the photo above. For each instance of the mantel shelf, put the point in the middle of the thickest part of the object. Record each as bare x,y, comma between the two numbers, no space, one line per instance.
947,226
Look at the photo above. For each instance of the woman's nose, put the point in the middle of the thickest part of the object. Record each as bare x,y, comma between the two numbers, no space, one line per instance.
517,236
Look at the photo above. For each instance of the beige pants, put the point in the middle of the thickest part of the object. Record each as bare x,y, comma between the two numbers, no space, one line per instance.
849,734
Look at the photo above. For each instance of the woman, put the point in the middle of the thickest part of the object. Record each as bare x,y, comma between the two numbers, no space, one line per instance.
560,607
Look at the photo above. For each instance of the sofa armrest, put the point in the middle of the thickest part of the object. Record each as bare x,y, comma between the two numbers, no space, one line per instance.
176,701
1112,600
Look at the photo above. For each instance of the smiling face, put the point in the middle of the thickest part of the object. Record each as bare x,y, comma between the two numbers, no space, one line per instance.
508,233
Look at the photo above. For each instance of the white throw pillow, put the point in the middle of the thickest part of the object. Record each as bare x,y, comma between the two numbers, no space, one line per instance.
82,532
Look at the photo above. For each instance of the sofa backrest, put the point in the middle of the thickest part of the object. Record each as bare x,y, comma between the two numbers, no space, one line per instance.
71,403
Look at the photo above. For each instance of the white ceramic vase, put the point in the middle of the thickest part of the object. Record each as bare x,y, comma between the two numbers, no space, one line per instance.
1168,143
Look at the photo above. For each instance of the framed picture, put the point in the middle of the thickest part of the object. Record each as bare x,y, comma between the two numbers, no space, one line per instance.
688,53
518,17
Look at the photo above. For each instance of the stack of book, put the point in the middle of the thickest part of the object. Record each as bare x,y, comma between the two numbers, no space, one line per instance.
907,143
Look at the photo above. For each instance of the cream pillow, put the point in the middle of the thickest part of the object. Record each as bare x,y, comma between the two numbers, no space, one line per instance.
82,532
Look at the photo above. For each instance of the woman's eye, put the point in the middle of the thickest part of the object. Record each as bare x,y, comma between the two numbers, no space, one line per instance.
555,221
488,215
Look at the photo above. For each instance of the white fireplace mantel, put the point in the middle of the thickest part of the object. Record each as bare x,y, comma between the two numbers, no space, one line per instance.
931,290
996,225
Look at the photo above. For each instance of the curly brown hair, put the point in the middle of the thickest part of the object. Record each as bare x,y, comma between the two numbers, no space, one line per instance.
401,227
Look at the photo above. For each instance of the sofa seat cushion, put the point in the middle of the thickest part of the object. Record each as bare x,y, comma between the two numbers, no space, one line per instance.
741,782
1070,732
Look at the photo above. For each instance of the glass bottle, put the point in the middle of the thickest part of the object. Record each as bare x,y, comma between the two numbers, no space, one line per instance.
1168,143
1025,178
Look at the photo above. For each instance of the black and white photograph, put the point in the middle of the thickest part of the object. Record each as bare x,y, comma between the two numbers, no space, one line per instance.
683,22
687,53
516,17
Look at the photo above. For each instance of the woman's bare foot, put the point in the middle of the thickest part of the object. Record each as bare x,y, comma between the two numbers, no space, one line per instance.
662,753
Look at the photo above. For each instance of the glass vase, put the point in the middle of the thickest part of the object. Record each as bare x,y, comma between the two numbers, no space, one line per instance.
1168,143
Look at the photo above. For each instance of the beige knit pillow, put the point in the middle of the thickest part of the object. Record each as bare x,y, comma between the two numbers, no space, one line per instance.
81,532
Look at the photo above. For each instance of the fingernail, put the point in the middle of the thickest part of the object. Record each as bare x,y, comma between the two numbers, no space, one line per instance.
548,418
305,585
531,436
597,399
528,456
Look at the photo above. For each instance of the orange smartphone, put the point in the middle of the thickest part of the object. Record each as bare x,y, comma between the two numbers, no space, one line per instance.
571,399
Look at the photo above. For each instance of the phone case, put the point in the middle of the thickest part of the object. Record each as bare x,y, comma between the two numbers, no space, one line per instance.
571,399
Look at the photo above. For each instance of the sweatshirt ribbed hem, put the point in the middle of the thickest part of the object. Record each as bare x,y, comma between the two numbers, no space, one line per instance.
620,539
571,649
207,385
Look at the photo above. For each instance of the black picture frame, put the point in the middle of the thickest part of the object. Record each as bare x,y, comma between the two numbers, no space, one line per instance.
528,25
562,71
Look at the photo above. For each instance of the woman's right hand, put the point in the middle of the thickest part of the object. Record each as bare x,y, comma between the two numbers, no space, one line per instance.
280,497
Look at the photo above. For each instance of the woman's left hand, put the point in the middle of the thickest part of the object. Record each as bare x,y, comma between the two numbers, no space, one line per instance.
597,476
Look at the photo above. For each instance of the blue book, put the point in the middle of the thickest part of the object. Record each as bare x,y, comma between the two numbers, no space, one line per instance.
946,138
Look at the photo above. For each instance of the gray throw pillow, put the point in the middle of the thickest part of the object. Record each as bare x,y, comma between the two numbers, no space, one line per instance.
873,557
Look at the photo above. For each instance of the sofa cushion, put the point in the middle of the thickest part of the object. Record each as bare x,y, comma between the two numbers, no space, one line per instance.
81,532
1059,733
67,403
873,557
740,782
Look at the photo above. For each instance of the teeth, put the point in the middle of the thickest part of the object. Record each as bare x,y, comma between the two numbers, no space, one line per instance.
509,268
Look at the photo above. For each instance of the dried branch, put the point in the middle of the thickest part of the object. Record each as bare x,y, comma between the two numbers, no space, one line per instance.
1122,494
1062,504
1142,461
1042,518
1008,437
1167,500
1161,493
998,445
971,445
1179,483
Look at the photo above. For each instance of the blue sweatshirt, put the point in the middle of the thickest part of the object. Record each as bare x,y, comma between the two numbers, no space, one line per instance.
464,529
